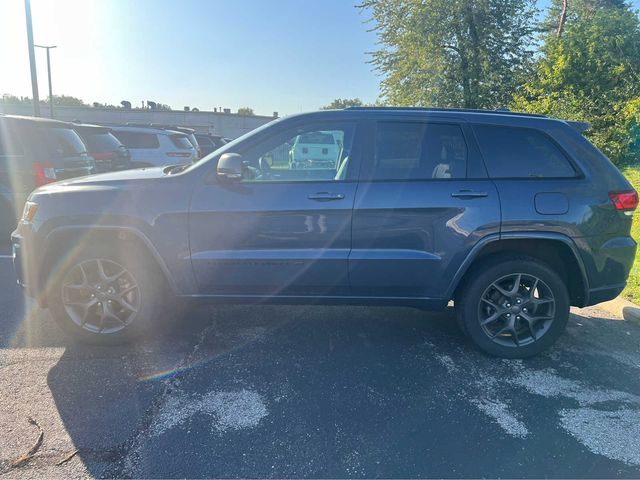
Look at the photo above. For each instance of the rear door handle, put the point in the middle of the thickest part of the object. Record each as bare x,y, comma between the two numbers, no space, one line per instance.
325,196
469,194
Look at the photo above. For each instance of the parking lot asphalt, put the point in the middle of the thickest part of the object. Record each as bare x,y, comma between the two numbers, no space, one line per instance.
276,391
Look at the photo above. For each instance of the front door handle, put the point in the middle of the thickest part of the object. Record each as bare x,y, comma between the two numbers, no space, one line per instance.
464,194
325,196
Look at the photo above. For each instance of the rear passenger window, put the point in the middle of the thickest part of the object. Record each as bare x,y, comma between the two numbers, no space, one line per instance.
181,142
418,151
138,140
511,152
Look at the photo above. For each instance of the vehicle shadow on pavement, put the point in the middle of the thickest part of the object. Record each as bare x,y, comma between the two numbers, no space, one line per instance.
273,391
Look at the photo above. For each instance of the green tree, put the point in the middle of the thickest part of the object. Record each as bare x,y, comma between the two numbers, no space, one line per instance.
340,103
591,72
245,111
452,53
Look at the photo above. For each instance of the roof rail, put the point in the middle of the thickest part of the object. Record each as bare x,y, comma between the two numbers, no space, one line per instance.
500,111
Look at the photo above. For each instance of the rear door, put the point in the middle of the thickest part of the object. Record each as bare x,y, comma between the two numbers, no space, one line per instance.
423,201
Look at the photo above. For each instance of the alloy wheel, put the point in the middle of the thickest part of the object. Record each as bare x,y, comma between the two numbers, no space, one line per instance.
516,310
100,296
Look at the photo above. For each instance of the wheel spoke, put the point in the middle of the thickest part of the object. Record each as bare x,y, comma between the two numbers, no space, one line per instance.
127,290
491,318
541,301
504,329
491,304
127,305
516,285
533,289
514,334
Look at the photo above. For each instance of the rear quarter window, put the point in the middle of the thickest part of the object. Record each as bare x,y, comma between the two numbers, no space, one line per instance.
513,152
138,140
181,142
61,142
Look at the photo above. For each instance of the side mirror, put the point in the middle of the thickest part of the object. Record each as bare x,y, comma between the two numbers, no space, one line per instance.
230,167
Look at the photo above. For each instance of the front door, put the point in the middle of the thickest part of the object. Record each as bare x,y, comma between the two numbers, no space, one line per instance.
423,201
285,228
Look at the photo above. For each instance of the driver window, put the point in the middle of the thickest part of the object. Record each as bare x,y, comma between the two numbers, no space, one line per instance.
311,153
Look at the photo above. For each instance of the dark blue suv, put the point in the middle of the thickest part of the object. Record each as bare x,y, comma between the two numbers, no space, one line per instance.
513,217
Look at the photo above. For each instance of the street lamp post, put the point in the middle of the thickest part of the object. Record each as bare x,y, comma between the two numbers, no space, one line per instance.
49,73
32,60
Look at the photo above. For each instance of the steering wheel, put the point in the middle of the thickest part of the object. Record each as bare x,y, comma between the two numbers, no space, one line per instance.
265,168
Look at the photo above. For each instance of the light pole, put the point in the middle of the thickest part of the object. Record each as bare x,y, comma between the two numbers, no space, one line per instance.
49,73
32,60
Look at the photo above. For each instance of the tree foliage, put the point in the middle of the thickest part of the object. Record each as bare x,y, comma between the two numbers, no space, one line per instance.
591,72
452,53
340,103
245,111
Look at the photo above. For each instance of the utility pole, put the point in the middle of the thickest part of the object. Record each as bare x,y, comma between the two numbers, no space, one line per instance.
32,60
49,73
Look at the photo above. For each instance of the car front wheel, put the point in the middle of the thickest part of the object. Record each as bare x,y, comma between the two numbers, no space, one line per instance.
513,307
104,296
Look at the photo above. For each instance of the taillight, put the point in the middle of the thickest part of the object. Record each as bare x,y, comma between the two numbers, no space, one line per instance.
624,201
43,173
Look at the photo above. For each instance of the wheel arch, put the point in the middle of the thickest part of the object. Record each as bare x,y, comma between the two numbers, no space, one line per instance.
58,241
557,250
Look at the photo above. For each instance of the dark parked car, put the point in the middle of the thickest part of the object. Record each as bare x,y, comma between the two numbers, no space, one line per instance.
209,143
33,152
107,151
513,217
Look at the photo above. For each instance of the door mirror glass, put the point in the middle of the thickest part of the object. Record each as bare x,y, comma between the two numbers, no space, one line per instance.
230,167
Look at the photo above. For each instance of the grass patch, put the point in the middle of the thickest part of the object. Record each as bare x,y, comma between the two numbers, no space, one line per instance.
632,292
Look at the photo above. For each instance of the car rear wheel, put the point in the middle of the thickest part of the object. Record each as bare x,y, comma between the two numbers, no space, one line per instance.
105,296
513,307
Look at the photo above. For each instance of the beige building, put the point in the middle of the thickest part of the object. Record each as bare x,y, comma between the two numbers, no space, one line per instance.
225,124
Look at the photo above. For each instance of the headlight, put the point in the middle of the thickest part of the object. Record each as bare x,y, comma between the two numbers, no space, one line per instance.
30,210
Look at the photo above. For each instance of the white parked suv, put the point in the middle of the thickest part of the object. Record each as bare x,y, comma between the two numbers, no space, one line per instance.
155,147
314,150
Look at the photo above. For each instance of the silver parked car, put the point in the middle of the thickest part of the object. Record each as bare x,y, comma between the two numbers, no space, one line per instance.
156,147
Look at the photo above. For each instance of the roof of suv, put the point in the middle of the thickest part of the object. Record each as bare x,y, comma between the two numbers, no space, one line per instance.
38,120
447,110
158,131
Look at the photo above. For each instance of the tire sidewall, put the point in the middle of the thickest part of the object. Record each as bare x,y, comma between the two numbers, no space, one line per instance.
481,279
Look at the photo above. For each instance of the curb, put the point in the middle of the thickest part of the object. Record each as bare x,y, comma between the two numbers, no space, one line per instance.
622,308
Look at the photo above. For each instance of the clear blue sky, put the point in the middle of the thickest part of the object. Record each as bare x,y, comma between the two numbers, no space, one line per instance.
271,55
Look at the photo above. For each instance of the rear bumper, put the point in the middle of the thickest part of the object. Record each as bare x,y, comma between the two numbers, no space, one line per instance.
604,294
608,268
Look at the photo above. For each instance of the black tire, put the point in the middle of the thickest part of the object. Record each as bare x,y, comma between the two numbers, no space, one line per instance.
480,300
150,294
